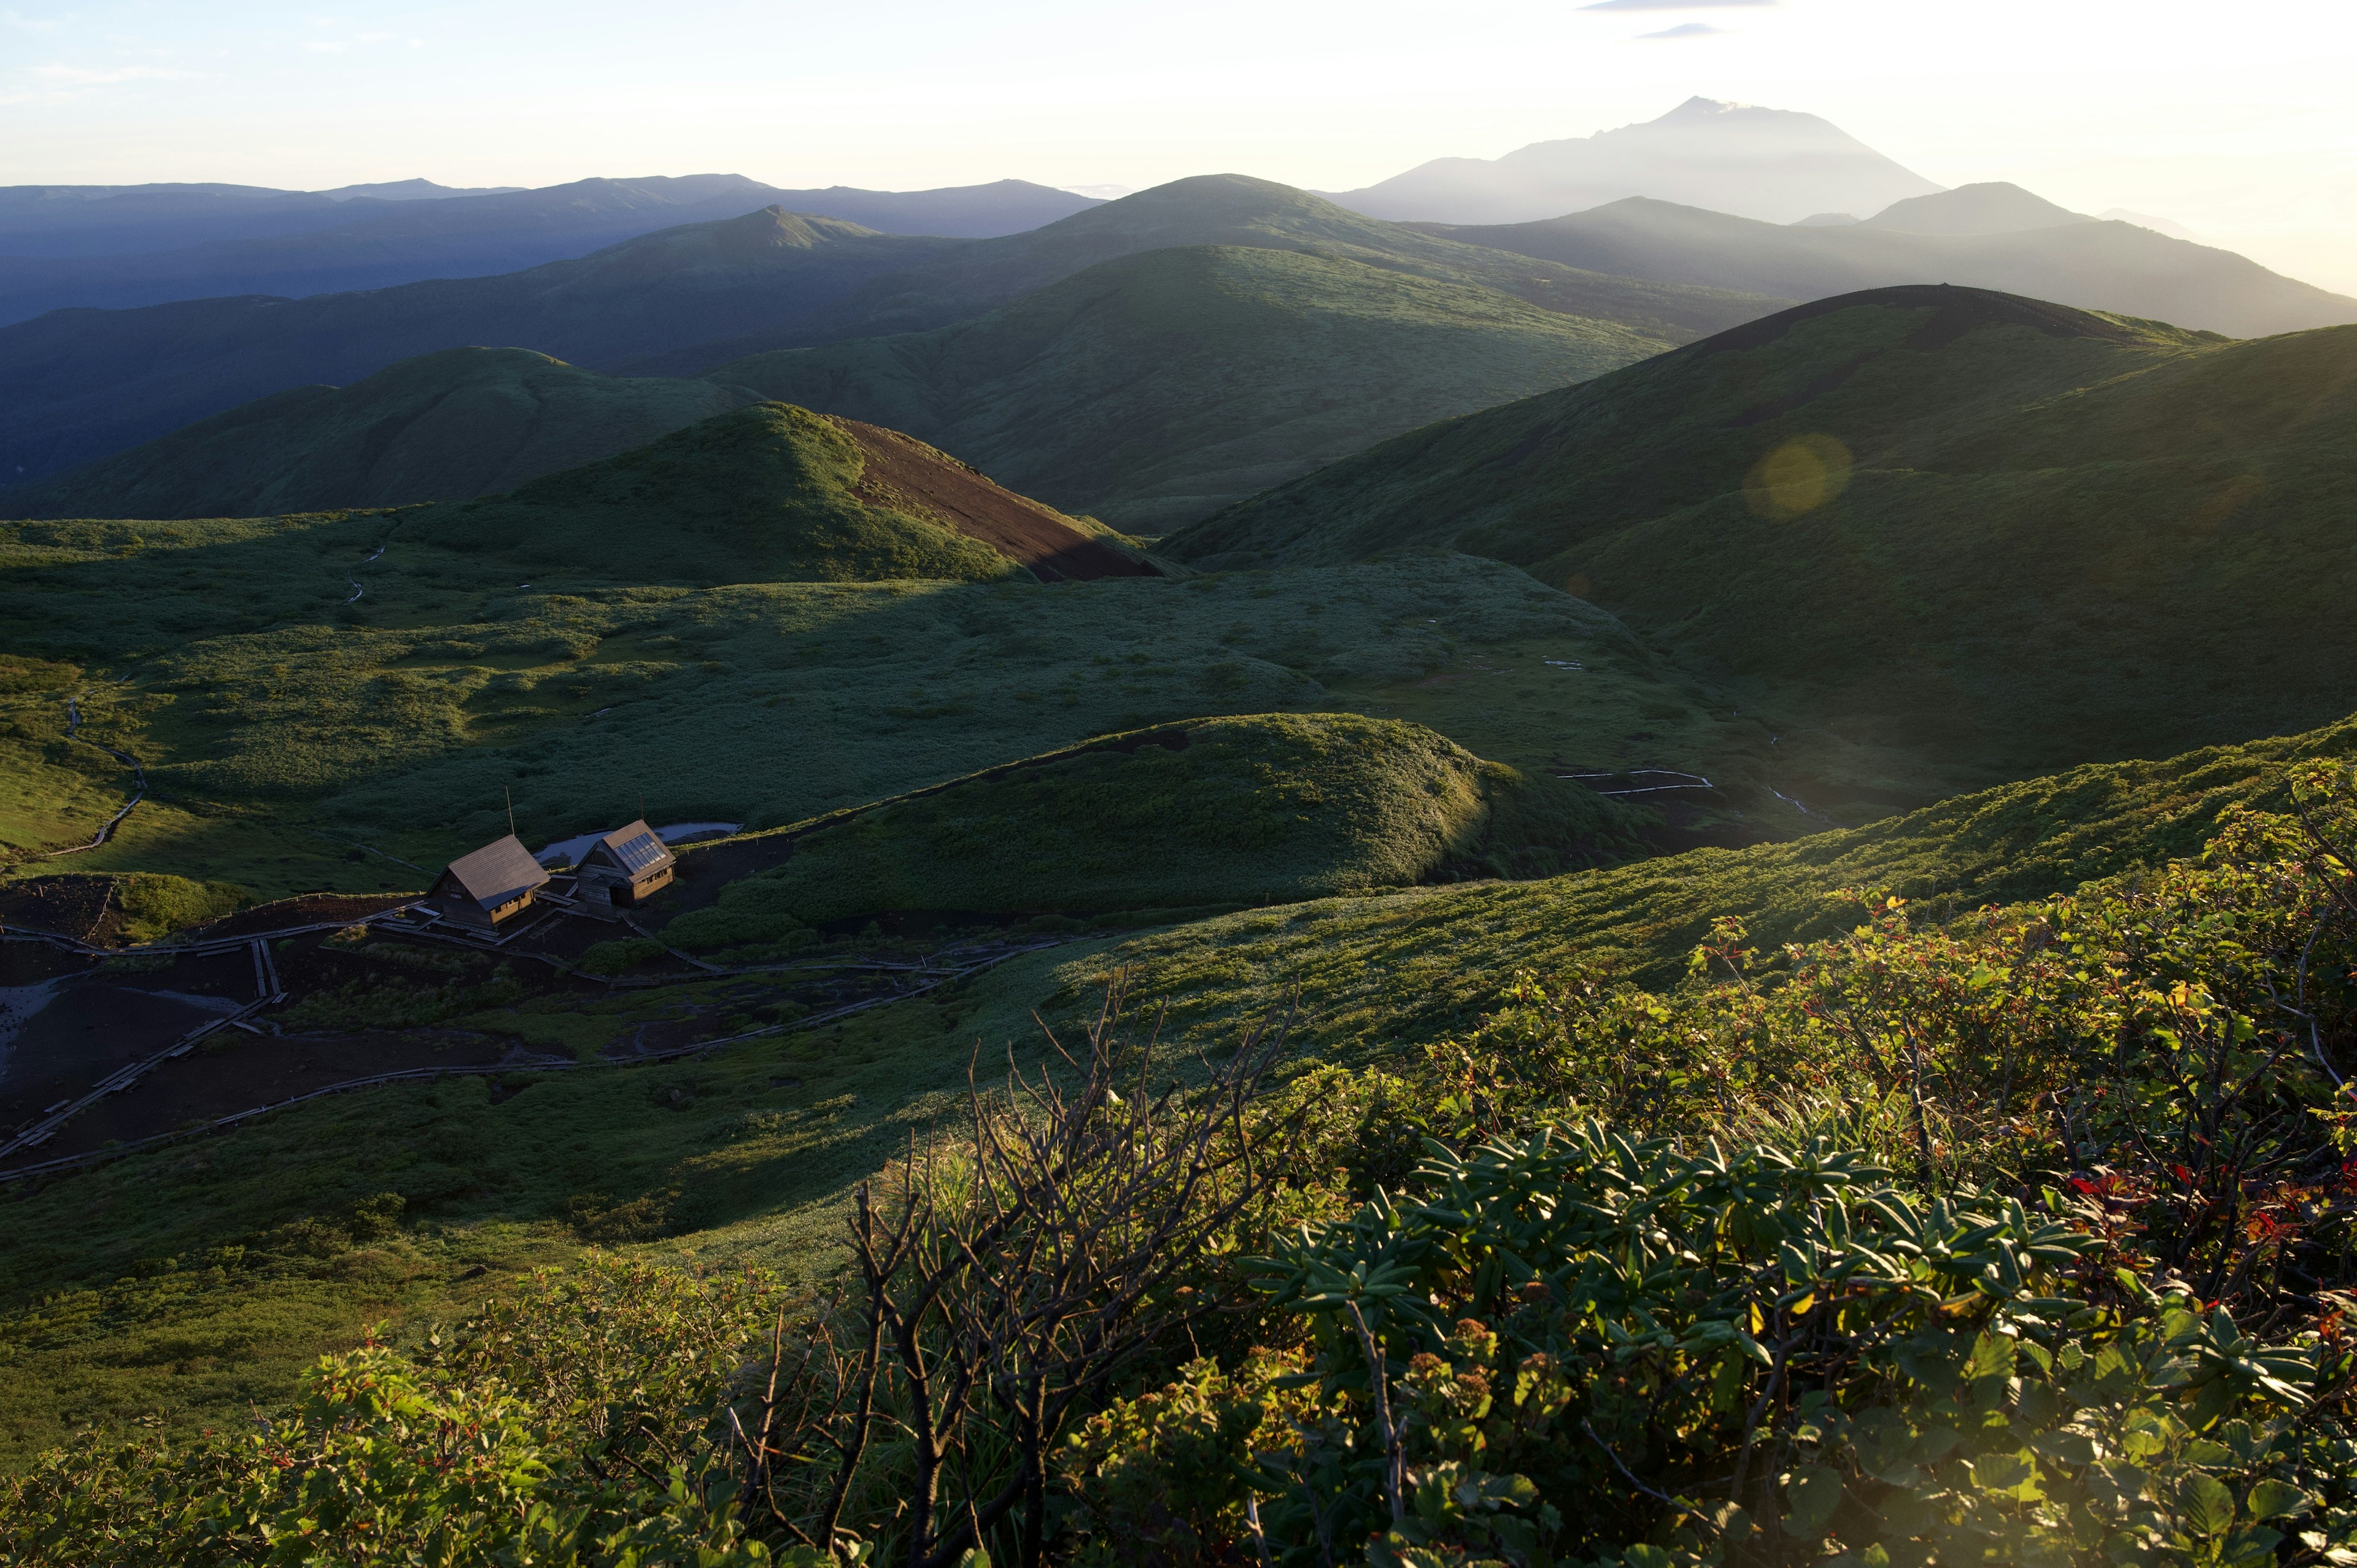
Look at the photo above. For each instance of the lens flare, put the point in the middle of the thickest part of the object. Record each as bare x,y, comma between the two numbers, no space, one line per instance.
1799,477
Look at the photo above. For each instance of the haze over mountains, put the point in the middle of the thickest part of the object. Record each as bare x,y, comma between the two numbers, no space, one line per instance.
1987,236
1635,275
78,385
1770,164
65,246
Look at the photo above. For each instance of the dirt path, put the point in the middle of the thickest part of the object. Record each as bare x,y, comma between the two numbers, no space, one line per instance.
139,778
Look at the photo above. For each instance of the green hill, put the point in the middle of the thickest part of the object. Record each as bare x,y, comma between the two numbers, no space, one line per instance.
1230,209
1152,390
2000,534
451,425
1261,809
297,686
78,385
1990,236
768,493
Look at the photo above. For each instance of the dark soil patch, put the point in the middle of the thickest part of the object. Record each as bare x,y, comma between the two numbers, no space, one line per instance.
82,907
93,1022
232,1071
303,909
910,477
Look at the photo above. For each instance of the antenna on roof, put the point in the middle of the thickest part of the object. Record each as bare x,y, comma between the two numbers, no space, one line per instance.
510,796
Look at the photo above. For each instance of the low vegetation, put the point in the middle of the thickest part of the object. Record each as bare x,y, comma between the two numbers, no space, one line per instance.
2024,1236
296,741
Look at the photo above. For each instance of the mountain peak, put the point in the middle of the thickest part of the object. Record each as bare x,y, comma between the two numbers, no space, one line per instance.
1991,207
1775,165
1700,108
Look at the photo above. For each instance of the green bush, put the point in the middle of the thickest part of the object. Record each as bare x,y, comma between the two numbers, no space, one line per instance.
154,906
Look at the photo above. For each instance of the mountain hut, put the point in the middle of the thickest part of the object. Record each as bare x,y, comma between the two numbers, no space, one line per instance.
624,867
491,884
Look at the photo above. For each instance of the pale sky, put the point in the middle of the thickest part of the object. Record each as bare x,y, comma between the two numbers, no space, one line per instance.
2239,119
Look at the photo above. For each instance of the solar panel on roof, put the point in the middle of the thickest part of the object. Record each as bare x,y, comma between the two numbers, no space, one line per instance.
638,853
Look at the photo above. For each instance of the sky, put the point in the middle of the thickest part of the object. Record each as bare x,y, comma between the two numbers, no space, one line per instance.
2237,121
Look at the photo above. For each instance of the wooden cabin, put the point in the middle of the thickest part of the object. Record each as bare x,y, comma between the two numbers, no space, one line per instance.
624,867
494,884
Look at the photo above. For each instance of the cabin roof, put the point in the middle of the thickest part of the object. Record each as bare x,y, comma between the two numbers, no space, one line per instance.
635,847
497,874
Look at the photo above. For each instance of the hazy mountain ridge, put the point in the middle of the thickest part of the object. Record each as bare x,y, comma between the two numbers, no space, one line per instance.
1965,237
372,242
1770,164
450,425
76,386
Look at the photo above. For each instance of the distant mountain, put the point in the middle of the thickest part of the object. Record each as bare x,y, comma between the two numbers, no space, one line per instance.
1152,390
1970,526
2075,260
1769,164
414,191
77,385
56,254
451,425
1215,209
2170,227
125,220
1992,207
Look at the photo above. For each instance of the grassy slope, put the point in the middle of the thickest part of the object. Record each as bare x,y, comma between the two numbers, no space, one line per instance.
748,1154
1261,809
2052,548
1156,388
2096,266
450,425
281,724
76,386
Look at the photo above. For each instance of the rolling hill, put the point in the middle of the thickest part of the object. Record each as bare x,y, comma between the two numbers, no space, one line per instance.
1257,809
76,386
1964,237
1769,164
146,246
768,493
1214,210
1153,390
451,425
1981,528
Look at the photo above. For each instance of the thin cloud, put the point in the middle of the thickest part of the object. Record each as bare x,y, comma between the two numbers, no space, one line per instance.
1688,30
75,75
1672,4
